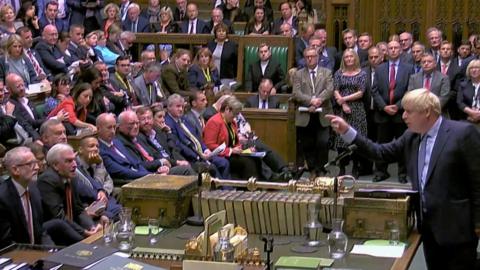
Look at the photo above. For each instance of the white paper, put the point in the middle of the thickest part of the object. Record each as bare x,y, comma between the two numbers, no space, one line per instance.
379,251
35,88
306,109
218,150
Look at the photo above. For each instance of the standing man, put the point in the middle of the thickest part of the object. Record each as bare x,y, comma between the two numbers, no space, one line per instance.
443,158
390,84
265,68
350,41
175,76
434,36
418,49
313,88
406,42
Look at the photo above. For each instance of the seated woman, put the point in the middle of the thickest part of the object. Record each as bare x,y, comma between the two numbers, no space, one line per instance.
108,56
99,104
221,128
305,12
111,13
27,16
60,91
7,21
14,61
203,74
468,100
225,54
165,25
258,24
76,107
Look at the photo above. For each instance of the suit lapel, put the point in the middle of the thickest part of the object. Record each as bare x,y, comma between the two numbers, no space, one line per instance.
416,146
17,204
440,141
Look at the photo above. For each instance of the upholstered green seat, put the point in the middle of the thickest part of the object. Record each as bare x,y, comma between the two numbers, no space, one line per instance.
280,54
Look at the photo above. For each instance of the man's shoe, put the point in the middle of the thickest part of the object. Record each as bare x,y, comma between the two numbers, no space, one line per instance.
380,177
402,179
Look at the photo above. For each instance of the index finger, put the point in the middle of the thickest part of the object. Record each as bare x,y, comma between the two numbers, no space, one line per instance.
330,117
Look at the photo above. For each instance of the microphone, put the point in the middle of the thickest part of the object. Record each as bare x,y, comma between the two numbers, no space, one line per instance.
343,155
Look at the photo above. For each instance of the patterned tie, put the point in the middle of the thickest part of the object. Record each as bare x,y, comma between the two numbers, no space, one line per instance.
391,85
427,81
28,216
191,137
142,151
36,66
68,200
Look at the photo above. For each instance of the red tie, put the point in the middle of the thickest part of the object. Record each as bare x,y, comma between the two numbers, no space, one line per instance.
36,66
143,152
68,199
28,216
427,81
391,85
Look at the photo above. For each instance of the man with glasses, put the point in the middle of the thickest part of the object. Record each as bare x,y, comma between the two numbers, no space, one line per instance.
122,81
406,42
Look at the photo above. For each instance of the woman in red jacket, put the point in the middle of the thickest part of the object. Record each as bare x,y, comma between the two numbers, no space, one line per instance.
221,128
76,107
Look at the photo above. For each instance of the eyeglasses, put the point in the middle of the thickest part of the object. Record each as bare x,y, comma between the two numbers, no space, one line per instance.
30,164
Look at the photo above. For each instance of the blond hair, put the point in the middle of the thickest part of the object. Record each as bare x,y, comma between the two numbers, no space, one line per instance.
422,100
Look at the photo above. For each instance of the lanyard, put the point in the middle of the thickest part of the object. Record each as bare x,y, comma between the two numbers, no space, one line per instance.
206,73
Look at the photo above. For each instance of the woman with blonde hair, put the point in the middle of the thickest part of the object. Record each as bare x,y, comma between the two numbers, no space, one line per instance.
111,13
468,96
349,86
15,61
7,20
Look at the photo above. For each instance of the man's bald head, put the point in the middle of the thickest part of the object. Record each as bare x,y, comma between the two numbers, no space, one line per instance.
50,34
15,85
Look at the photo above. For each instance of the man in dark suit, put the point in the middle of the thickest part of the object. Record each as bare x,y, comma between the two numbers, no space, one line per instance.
94,182
216,18
464,53
21,213
48,50
448,67
301,41
120,165
174,75
128,130
193,25
418,50
250,10
191,143
180,11
374,59
350,41
52,132
443,167
390,84
148,88
198,103
58,187
313,88
24,112
122,81
134,22
406,42
40,70
287,17
431,79
434,36
265,68
50,17
264,99
326,55
77,51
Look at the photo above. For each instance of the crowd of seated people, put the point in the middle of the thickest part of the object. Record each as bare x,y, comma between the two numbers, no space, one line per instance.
148,105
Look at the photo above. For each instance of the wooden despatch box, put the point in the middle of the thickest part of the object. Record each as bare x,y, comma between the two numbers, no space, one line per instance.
373,218
167,198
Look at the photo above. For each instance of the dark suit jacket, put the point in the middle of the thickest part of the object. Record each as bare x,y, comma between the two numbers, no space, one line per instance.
273,71
6,128
278,22
465,94
119,85
128,168
227,22
28,68
454,74
49,57
380,90
143,95
327,62
25,120
197,79
194,122
167,141
183,142
228,60
132,150
52,188
176,15
78,11
42,65
439,85
201,26
367,95
143,25
299,48
452,188
174,81
13,224
77,53
42,22
253,102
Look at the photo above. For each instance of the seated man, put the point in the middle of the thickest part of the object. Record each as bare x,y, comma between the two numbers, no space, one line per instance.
119,164
21,211
149,91
174,75
157,142
51,56
190,142
95,183
265,67
52,132
128,129
59,193
121,81
264,99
